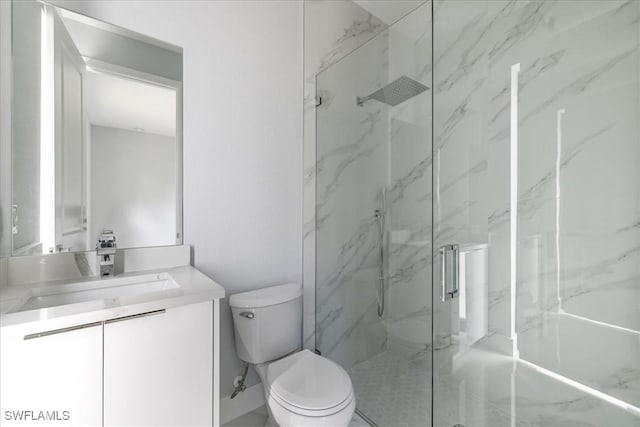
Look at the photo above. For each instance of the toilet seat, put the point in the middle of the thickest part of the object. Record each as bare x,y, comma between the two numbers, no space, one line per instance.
310,385
312,412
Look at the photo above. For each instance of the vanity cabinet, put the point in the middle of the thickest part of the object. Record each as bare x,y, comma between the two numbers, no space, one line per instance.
54,374
158,368
149,369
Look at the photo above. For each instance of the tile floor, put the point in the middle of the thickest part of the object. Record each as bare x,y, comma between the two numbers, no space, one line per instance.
480,389
392,391
258,417
255,418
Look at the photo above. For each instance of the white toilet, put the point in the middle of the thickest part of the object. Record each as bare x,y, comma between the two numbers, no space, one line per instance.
301,388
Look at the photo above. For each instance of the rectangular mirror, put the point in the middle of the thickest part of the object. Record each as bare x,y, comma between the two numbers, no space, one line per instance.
96,134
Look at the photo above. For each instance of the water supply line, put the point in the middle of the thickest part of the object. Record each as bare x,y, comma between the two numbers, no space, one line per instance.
380,220
239,382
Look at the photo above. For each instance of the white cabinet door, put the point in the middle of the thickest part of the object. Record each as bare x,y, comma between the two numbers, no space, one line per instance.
50,374
158,368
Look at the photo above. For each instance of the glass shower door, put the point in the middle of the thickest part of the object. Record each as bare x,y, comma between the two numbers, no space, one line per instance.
536,213
373,215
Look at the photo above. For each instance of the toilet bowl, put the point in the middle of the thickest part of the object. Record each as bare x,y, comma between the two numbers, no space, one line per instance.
304,389
301,388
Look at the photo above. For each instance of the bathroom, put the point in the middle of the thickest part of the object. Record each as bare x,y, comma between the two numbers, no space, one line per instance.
440,197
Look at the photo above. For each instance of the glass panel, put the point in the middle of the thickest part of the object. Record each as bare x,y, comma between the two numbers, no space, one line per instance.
373,259
579,198
536,134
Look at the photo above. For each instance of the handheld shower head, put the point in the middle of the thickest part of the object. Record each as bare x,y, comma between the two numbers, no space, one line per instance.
380,215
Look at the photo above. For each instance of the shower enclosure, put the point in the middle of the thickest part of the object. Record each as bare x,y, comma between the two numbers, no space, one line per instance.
478,215
373,194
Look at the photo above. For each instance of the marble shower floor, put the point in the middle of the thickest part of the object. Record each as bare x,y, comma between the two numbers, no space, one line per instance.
485,389
392,391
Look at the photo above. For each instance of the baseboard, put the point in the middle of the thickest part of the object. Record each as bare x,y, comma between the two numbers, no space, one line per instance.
252,398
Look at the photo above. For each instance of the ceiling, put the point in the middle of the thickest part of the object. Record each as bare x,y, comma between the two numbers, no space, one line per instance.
389,11
129,104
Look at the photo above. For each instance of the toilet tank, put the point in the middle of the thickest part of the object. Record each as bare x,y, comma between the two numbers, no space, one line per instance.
267,322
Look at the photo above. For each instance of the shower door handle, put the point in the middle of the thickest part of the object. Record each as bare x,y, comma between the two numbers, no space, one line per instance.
445,293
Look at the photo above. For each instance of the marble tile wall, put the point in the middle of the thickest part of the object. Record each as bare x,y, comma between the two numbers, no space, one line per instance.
578,273
332,29
351,162
578,234
361,150
465,212
408,317
580,198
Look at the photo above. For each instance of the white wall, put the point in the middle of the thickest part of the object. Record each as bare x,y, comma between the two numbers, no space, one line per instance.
242,136
133,187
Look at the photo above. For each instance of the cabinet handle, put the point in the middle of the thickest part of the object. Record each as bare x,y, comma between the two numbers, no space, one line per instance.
61,330
134,316
90,325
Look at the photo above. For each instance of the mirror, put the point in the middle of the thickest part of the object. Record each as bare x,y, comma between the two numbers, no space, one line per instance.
96,134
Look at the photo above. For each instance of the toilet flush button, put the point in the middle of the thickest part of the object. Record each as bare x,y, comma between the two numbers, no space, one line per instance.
247,314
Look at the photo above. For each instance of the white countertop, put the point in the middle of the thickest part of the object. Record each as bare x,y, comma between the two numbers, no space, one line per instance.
192,287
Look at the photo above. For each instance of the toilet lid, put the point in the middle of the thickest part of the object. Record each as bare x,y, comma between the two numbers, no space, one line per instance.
308,381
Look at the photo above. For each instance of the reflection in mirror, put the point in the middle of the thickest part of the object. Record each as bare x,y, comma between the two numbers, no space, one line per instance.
96,134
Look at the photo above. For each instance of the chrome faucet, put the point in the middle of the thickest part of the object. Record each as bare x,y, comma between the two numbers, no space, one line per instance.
106,251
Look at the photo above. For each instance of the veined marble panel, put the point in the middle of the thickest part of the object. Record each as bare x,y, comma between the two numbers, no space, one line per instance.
464,199
578,199
361,150
351,154
333,29
409,205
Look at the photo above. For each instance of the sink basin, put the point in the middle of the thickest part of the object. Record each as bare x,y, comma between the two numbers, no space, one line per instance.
53,296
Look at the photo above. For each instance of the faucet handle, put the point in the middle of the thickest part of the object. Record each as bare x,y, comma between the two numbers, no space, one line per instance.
107,236
107,240
105,248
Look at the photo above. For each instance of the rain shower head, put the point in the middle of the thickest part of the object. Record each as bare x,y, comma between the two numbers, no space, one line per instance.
395,92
